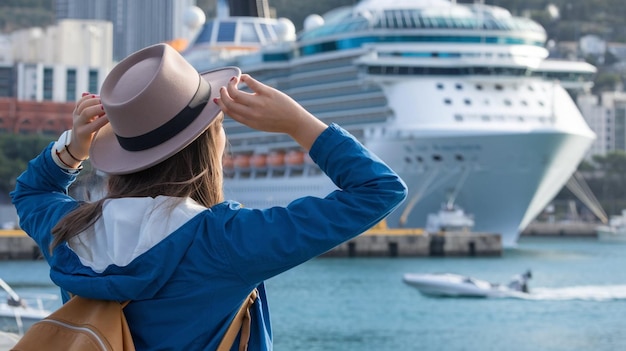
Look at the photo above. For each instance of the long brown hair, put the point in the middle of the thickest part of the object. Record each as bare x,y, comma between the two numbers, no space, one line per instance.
195,172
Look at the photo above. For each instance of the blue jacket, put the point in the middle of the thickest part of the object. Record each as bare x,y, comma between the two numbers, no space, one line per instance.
187,268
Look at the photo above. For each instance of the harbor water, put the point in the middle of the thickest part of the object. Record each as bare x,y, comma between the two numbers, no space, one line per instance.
577,301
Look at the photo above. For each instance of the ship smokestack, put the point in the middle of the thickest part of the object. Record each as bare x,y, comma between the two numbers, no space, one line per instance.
248,8
223,10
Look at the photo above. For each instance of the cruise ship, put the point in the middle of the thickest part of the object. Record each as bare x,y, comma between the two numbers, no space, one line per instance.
459,99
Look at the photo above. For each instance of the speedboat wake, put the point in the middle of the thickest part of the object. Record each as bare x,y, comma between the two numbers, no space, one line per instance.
583,292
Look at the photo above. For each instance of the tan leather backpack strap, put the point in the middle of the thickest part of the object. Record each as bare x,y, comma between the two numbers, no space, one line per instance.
240,322
121,303
245,328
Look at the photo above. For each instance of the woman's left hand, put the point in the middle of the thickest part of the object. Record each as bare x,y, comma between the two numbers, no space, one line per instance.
89,117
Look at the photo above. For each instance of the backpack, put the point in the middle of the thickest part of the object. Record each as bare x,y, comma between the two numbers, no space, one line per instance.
84,324
80,324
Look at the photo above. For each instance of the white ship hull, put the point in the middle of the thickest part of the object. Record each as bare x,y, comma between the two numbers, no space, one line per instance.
503,189
476,122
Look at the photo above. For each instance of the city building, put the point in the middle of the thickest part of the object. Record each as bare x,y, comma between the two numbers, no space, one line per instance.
606,116
43,71
136,23
59,62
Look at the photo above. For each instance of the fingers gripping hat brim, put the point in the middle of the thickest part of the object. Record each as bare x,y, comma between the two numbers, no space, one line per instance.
114,153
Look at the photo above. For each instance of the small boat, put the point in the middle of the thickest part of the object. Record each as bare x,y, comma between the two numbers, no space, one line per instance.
228,162
455,285
294,158
16,315
276,159
615,231
242,161
612,234
450,218
258,160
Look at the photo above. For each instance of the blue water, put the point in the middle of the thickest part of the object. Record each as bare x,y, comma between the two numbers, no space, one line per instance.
577,301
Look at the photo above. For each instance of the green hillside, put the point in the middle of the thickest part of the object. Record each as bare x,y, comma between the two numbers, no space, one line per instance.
605,18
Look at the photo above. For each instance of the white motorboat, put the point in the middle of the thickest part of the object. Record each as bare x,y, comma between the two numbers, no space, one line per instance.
615,231
16,315
455,285
450,218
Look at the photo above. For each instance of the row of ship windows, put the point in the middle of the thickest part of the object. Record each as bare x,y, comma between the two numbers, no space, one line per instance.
447,71
359,41
498,87
308,170
435,158
487,118
242,31
507,102
476,70
411,19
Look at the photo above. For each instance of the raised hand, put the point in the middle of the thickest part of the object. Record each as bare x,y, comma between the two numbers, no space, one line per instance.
89,117
269,110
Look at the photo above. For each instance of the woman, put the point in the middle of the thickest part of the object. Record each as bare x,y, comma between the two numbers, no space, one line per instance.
163,236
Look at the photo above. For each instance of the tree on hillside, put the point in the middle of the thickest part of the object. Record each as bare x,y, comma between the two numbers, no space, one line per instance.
612,186
16,15
15,152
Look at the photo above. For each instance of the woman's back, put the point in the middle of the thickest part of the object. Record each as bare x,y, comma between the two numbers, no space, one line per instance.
187,262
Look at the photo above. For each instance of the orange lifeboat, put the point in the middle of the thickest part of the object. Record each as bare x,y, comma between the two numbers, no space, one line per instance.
307,159
276,159
294,158
242,161
228,162
258,160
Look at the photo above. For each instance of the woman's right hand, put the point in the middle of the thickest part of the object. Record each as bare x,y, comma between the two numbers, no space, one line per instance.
269,110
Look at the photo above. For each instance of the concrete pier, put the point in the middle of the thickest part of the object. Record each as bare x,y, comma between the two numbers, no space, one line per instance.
565,229
377,242
16,245
385,242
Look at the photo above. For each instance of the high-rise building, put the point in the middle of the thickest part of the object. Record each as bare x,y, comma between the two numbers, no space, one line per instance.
136,23
606,115
59,62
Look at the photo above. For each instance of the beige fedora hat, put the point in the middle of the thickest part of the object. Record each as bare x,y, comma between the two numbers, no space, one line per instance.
157,104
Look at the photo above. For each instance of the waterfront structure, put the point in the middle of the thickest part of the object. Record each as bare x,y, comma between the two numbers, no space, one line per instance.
136,23
41,117
606,115
6,70
457,98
